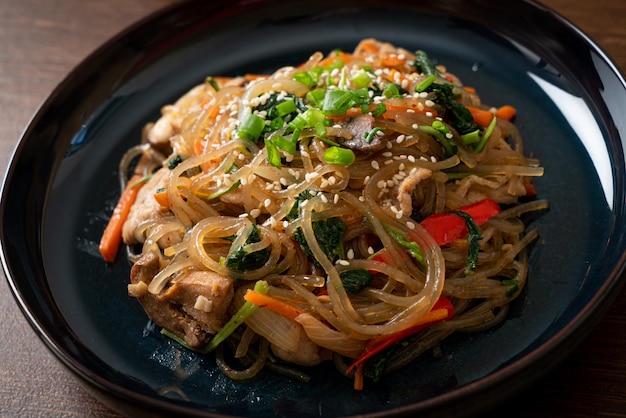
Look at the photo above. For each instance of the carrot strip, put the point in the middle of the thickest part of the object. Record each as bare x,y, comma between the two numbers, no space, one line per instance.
343,56
506,112
359,377
162,199
392,61
112,235
481,117
469,89
273,304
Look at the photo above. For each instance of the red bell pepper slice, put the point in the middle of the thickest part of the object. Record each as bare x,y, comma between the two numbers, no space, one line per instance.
376,345
447,227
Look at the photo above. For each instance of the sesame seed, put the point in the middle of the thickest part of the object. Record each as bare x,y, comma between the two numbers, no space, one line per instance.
411,158
350,254
366,180
415,126
387,154
375,165
267,203
370,250
324,198
410,225
255,213
429,114
381,184
285,224
343,262
336,199
311,176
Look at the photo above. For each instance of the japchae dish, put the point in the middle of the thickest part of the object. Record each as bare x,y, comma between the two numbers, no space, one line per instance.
357,208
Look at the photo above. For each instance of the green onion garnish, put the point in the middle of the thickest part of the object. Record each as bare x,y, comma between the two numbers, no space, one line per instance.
251,127
425,83
273,155
340,156
369,137
286,107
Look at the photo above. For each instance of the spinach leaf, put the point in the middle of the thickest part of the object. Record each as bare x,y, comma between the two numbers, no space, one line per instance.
240,260
329,233
355,280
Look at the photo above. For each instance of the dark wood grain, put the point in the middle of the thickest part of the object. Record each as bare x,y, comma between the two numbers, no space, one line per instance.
42,40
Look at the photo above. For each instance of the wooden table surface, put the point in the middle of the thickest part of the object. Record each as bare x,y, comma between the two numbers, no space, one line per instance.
42,40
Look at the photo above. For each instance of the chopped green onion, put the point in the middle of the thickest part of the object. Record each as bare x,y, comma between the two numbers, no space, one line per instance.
440,126
251,127
471,137
276,123
361,79
409,245
486,135
448,145
320,129
336,102
307,78
379,109
237,319
425,83
211,81
286,107
284,144
273,155
313,117
340,156
369,137
329,142
316,97
299,122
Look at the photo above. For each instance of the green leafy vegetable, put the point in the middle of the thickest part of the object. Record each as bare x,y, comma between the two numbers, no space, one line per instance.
240,259
173,163
355,280
328,233
473,241
410,246
424,64
295,209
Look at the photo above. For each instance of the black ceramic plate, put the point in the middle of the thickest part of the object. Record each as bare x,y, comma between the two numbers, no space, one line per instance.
61,187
